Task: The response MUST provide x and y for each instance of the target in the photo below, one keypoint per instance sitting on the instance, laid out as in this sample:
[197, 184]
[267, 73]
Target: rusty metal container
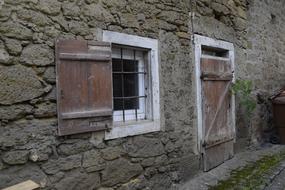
[278, 102]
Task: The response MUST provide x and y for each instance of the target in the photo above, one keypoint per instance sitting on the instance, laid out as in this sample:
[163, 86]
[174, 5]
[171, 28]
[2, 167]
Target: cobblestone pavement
[274, 178]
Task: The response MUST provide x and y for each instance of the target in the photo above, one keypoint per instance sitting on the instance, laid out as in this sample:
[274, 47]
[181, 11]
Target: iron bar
[123, 88]
[129, 97]
[116, 72]
[146, 84]
[136, 100]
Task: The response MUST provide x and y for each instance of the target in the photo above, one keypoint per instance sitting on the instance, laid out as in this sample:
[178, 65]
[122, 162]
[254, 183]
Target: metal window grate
[126, 76]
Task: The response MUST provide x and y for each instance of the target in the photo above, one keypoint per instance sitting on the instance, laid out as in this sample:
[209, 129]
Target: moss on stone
[252, 175]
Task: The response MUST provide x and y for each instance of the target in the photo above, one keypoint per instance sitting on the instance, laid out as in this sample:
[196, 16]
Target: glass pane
[118, 104]
[116, 65]
[117, 85]
[130, 65]
[131, 85]
[131, 104]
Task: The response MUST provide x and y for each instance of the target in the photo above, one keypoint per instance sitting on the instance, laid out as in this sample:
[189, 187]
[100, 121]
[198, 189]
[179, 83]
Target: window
[129, 79]
[110, 86]
[136, 106]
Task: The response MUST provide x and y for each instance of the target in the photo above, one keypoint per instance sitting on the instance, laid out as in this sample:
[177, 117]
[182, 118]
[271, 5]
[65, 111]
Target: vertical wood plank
[216, 113]
[84, 86]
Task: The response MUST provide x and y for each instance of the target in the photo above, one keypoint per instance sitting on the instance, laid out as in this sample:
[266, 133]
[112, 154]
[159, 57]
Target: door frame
[200, 41]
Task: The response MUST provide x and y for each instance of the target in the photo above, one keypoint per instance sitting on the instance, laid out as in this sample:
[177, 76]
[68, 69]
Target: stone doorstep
[204, 179]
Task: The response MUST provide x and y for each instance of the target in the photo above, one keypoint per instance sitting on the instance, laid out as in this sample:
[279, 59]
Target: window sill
[120, 129]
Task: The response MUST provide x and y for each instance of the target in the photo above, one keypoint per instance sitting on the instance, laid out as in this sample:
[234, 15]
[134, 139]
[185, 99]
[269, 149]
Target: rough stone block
[74, 148]
[15, 111]
[77, 180]
[49, 75]
[241, 13]
[1, 165]
[170, 147]
[205, 11]
[18, 2]
[17, 174]
[37, 54]
[148, 162]
[62, 164]
[105, 188]
[78, 28]
[4, 56]
[61, 21]
[51, 96]
[70, 9]
[34, 17]
[144, 147]
[56, 177]
[19, 84]
[120, 171]
[28, 134]
[111, 153]
[15, 30]
[16, 157]
[51, 7]
[166, 26]
[5, 12]
[97, 12]
[160, 182]
[220, 8]
[37, 155]
[45, 109]
[14, 47]
[130, 20]
[161, 160]
[92, 161]
[171, 17]
[149, 172]
[240, 24]
[138, 183]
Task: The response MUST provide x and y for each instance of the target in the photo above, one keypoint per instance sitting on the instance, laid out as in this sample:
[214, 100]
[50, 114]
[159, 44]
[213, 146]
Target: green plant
[243, 89]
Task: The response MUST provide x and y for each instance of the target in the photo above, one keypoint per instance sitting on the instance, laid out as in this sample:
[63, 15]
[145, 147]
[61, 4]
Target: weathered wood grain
[84, 83]
[216, 109]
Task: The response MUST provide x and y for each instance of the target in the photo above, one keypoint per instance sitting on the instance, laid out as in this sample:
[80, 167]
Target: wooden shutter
[216, 109]
[84, 86]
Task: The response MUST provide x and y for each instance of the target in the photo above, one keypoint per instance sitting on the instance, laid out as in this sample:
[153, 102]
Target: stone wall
[29, 146]
[265, 63]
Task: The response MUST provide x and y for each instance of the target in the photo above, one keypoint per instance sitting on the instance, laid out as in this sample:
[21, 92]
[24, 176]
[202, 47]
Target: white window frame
[200, 41]
[131, 114]
[152, 124]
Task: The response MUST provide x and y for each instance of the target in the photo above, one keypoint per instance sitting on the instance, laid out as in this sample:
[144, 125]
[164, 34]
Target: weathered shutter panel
[84, 86]
[216, 109]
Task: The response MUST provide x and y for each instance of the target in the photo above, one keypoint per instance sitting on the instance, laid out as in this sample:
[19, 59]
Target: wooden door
[216, 77]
